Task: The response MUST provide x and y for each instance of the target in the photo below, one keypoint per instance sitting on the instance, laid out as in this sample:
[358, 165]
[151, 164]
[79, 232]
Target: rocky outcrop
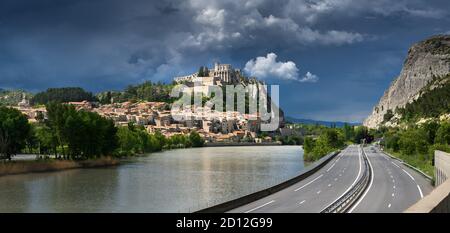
[425, 60]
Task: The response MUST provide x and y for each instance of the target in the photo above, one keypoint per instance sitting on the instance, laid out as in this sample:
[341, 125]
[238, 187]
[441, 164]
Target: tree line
[62, 95]
[147, 91]
[78, 135]
[332, 139]
[416, 143]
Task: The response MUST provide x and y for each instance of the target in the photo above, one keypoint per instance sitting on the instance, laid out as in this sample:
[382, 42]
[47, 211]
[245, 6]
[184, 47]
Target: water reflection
[171, 181]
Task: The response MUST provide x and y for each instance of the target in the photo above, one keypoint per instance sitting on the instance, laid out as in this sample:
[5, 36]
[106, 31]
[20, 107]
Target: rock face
[425, 60]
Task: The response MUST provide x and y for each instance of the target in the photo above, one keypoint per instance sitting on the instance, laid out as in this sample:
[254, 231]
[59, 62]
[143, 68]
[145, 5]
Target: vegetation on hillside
[421, 131]
[430, 104]
[437, 45]
[147, 91]
[62, 95]
[417, 143]
[12, 97]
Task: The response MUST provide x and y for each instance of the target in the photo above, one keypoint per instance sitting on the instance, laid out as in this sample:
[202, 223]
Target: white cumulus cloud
[269, 67]
[309, 78]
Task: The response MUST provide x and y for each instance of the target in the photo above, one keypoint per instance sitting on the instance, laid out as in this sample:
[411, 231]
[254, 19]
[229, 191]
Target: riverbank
[21, 167]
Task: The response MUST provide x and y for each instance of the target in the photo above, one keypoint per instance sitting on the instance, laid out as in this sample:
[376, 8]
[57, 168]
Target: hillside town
[213, 126]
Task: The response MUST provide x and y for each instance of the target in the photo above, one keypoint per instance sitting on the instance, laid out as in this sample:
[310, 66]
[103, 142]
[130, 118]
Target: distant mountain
[313, 122]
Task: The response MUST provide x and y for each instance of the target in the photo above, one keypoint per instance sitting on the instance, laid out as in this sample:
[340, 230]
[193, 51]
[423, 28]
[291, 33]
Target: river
[182, 180]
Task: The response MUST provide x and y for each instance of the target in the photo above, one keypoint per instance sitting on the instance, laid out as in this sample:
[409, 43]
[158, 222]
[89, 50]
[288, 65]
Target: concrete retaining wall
[442, 166]
[438, 201]
[229, 205]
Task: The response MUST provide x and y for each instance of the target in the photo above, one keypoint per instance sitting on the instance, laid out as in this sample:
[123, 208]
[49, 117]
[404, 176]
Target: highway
[394, 188]
[391, 188]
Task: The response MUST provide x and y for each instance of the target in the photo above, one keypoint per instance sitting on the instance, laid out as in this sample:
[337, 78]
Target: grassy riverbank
[20, 167]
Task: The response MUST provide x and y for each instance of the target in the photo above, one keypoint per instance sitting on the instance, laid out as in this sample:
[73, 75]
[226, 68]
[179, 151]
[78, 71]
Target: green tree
[14, 130]
[443, 133]
[200, 72]
[128, 141]
[430, 129]
[361, 132]
[348, 132]
[308, 145]
[196, 140]
[388, 115]
[413, 141]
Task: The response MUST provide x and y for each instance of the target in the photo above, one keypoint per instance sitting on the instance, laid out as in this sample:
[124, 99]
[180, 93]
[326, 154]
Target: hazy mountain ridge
[426, 60]
[313, 122]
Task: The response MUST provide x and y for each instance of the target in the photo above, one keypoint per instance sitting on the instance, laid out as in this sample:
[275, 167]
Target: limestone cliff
[425, 60]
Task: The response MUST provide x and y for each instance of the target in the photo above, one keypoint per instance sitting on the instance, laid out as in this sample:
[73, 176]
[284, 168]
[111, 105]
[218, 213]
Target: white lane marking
[393, 181]
[356, 179]
[368, 188]
[393, 194]
[420, 191]
[331, 167]
[335, 179]
[259, 206]
[302, 202]
[318, 192]
[393, 187]
[409, 174]
[309, 183]
[389, 206]
[329, 185]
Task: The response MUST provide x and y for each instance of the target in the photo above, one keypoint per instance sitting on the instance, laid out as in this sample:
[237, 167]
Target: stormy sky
[332, 58]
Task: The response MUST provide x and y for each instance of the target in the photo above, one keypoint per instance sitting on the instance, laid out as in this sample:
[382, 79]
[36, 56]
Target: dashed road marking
[260, 206]
[308, 183]
[302, 202]
[331, 167]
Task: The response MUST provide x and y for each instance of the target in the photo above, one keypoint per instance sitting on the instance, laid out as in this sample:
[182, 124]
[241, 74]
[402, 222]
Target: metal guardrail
[346, 201]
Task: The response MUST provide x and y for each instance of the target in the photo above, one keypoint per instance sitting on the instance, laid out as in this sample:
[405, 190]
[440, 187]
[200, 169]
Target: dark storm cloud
[108, 44]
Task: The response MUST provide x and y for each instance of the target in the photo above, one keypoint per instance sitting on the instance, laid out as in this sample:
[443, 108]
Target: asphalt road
[394, 187]
[316, 192]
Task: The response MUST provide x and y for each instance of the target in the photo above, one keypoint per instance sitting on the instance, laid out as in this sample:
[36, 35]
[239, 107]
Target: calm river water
[181, 180]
